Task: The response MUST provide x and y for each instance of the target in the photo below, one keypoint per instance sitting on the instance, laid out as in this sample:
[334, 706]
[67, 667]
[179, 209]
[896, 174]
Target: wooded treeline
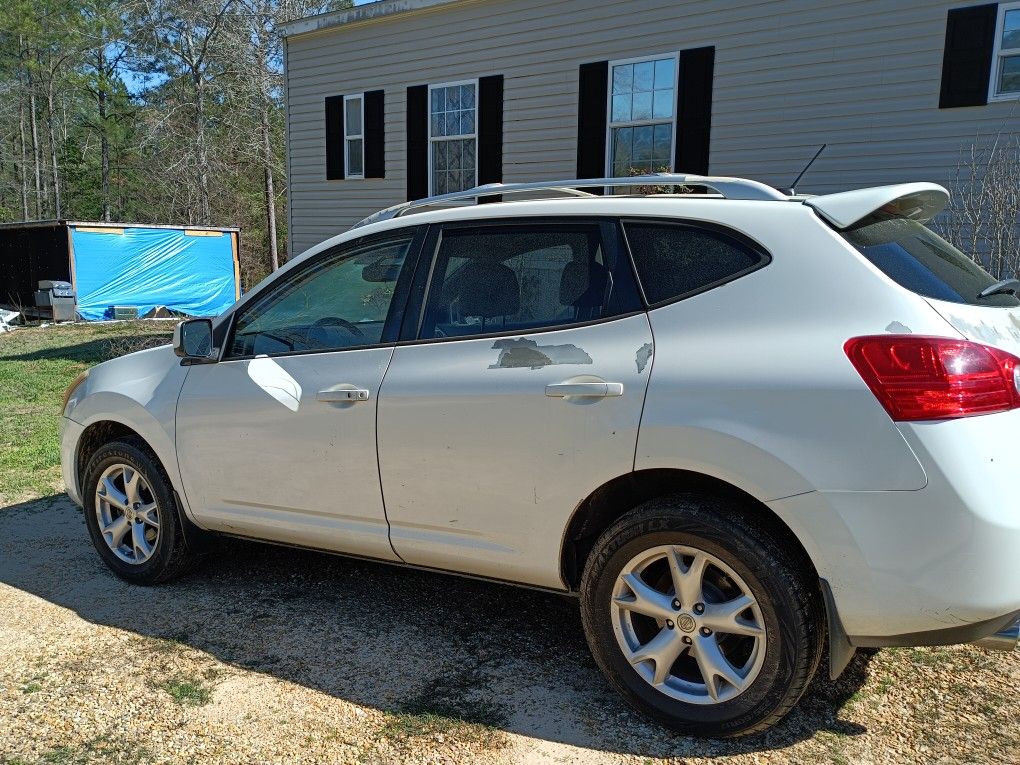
[148, 111]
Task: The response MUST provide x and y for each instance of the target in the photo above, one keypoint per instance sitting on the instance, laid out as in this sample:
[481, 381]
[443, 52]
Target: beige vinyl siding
[860, 75]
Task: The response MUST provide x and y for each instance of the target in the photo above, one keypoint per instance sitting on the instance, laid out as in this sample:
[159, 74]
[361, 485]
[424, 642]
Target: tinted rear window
[517, 278]
[917, 258]
[675, 260]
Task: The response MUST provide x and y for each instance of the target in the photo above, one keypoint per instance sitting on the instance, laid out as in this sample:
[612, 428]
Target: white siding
[860, 75]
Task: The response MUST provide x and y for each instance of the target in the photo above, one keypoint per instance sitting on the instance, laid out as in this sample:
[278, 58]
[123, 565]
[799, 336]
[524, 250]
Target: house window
[1006, 61]
[354, 137]
[642, 115]
[453, 137]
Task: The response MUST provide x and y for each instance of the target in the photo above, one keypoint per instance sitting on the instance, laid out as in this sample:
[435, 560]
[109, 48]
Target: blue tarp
[149, 267]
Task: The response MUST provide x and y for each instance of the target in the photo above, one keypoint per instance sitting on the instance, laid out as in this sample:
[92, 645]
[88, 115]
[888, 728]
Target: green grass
[929, 656]
[884, 685]
[61, 755]
[408, 725]
[447, 706]
[35, 683]
[188, 692]
[36, 366]
[103, 749]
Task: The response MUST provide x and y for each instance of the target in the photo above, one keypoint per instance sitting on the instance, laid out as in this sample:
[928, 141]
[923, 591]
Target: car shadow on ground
[399, 640]
[99, 349]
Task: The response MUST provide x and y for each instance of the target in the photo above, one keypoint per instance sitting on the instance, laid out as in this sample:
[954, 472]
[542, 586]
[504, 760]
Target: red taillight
[936, 378]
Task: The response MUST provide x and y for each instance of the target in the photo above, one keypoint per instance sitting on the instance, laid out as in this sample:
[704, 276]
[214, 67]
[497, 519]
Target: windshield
[917, 258]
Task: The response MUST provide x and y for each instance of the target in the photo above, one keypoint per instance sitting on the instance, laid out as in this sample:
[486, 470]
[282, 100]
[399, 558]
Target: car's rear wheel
[701, 619]
[131, 514]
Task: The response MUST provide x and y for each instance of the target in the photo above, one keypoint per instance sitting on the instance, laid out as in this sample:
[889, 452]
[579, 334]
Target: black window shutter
[967, 59]
[490, 131]
[417, 142]
[694, 110]
[375, 134]
[334, 138]
[593, 82]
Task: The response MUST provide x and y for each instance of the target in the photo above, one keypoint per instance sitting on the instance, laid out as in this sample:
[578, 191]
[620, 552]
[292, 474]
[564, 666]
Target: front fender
[140, 392]
[118, 408]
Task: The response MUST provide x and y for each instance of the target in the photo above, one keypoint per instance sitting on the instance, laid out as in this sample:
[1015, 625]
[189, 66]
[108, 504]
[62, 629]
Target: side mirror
[193, 341]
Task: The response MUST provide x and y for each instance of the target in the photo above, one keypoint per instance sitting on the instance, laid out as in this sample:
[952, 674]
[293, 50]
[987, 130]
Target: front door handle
[342, 395]
[590, 389]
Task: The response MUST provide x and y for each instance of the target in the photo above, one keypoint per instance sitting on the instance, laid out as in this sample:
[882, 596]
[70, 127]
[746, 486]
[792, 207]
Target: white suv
[736, 423]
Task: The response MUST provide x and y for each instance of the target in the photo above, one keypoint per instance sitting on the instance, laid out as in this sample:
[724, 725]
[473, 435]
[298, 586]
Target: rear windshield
[920, 260]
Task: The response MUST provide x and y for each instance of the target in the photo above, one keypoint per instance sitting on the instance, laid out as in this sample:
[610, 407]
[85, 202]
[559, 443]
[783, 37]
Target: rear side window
[676, 260]
[523, 278]
[917, 258]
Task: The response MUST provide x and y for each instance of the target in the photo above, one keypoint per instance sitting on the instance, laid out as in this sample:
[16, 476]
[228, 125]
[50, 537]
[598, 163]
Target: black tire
[171, 556]
[788, 598]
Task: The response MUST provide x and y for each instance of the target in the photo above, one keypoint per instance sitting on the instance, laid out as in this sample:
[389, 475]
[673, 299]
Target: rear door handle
[592, 389]
[342, 395]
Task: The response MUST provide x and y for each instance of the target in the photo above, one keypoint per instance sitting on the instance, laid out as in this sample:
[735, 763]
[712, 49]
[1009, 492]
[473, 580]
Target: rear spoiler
[916, 201]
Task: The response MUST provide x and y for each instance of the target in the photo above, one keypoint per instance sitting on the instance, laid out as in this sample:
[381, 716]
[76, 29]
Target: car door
[277, 439]
[519, 395]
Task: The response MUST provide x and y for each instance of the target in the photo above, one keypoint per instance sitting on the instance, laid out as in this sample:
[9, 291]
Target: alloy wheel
[128, 513]
[688, 624]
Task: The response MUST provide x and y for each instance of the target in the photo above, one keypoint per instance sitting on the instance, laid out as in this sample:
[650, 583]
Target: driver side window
[341, 301]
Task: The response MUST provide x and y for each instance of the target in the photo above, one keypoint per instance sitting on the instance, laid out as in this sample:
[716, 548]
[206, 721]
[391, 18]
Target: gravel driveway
[269, 655]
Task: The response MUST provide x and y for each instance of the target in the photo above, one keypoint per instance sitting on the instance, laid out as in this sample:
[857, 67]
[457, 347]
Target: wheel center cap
[686, 622]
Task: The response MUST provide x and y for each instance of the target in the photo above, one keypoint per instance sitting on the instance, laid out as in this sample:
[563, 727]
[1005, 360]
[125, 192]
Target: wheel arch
[105, 416]
[102, 431]
[616, 497]
[94, 436]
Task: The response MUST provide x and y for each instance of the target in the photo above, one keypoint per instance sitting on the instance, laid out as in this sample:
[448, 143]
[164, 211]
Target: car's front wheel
[699, 618]
[131, 514]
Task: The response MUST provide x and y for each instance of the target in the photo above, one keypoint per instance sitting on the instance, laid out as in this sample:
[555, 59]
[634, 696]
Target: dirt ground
[269, 655]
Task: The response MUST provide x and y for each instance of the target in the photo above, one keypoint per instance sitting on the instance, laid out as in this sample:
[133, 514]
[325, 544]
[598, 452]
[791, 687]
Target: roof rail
[729, 188]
